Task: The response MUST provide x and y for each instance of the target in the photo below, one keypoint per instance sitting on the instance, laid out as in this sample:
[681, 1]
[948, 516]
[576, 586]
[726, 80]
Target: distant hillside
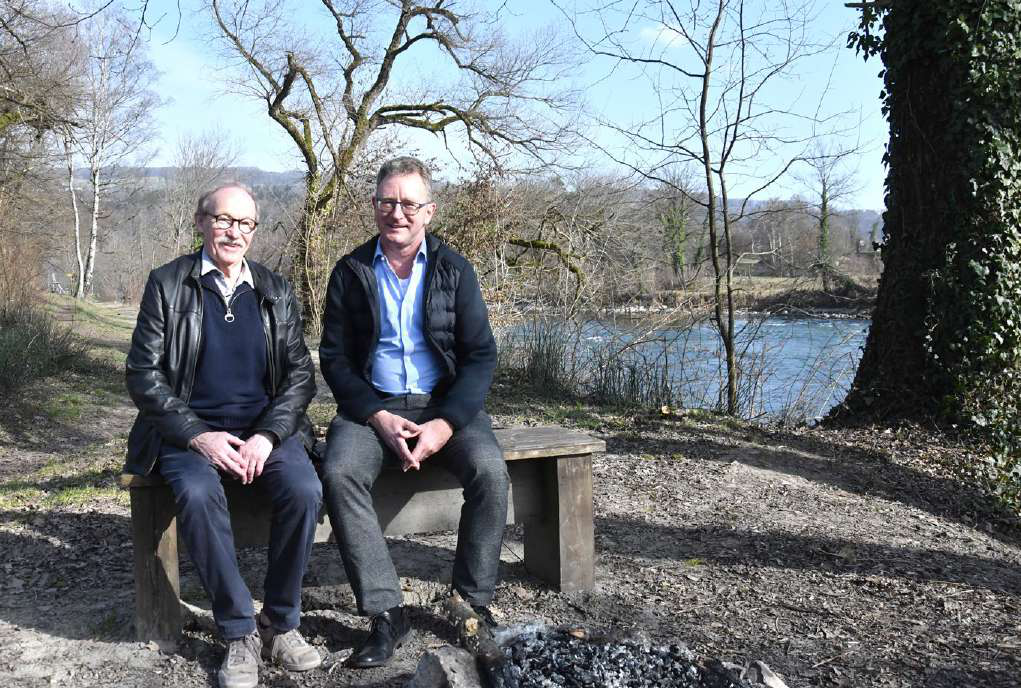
[249, 175]
[257, 177]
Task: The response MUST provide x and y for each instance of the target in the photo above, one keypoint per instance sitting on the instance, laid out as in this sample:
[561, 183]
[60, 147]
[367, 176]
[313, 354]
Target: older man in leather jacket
[221, 376]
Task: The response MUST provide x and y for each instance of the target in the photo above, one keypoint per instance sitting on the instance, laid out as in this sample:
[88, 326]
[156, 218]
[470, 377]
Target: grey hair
[203, 204]
[406, 165]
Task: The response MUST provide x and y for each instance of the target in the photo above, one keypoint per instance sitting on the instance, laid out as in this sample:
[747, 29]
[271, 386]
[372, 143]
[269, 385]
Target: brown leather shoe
[390, 630]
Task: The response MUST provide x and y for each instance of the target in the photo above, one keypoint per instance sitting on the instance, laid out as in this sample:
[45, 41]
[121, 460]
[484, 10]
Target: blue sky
[199, 97]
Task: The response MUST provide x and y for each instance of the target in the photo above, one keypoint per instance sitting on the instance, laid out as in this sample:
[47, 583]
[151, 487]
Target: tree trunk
[724, 321]
[824, 237]
[728, 284]
[79, 288]
[90, 258]
[943, 225]
[313, 253]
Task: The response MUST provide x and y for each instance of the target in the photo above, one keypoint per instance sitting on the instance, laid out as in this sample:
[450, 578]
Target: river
[793, 368]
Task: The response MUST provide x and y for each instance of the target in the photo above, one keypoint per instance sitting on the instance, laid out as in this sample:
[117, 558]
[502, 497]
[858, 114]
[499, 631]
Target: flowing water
[796, 368]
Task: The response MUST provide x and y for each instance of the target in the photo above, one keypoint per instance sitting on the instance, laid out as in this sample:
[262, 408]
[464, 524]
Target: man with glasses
[409, 355]
[221, 376]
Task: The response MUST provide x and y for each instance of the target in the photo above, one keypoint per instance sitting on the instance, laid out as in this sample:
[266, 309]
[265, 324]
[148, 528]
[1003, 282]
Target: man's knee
[353, 457]
[342, 472]
[199, 493]
[487, 469]
[494, 476]
[302, 488]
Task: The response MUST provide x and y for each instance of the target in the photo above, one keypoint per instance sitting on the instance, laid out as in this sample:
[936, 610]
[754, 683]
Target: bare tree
[334, 92]
[113, 119]
[198, 163]
[712, 67]
[831, 181]
[37, 67]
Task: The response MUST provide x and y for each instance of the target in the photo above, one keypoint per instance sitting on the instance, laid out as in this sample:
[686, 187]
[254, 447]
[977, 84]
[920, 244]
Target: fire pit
[571, 658]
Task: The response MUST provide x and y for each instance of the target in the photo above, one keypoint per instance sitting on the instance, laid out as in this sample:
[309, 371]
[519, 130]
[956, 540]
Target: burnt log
[476, 636]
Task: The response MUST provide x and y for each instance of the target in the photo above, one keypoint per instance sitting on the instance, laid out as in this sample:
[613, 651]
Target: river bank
[850, 557]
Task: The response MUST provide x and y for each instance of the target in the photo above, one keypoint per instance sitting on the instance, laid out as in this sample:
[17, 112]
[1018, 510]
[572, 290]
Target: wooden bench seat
[551, 495]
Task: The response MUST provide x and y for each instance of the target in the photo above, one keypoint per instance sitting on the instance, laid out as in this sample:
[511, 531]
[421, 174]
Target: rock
[520, 593]
[198, 618]
[759, 673]
[446, 667]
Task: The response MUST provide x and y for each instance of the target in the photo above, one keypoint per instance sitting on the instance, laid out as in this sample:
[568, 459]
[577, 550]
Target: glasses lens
[409, 208]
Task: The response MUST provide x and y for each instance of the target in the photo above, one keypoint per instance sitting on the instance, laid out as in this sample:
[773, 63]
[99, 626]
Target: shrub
[33, 346]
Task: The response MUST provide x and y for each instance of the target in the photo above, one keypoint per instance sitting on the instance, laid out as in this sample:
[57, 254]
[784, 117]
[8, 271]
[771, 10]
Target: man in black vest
[409, 355]
[221, 376]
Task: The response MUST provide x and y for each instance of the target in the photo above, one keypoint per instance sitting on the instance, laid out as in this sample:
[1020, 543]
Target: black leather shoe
[390, 630]
[484, 614]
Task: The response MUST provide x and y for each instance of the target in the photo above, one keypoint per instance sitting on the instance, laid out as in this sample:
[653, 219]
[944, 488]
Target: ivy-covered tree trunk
[945, 341]
[674, 220]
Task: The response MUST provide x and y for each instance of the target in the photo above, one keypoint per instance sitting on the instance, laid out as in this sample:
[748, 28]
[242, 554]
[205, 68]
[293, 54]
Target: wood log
[475, 636]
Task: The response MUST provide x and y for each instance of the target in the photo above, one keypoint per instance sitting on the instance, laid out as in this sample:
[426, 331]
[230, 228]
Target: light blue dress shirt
[403, 363]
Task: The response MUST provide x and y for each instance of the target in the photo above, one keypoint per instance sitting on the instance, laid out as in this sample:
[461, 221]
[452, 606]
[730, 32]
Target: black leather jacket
[456, 328]
[164, 353]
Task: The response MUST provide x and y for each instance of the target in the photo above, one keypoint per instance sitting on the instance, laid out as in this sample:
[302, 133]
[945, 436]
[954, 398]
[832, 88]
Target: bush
[570, 358]
[33, 346]
[545, 351]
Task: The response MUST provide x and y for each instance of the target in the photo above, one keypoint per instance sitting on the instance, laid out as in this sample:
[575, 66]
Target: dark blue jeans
[293, 491]
[355, 456]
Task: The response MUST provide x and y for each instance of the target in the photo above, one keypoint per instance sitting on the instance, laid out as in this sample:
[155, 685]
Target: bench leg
[561, 548]
[157, 581]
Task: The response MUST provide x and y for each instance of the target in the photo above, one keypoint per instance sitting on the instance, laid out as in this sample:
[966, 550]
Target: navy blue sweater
[230, 378]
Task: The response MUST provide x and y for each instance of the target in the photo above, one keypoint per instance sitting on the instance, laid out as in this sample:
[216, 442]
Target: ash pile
[570, 658]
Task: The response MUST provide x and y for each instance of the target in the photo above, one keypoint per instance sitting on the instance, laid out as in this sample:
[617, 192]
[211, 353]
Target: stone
[760, 672]
[757, 673]
[446, 667]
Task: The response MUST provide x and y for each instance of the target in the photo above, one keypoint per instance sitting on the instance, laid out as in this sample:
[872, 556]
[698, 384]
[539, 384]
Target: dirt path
[838, 558]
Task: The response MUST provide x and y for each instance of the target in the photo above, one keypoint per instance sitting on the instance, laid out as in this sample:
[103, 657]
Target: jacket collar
[262, 278]
[366, 253]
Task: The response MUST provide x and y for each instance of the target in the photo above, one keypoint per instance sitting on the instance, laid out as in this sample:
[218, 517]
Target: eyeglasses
[225, 222]
[388, 205]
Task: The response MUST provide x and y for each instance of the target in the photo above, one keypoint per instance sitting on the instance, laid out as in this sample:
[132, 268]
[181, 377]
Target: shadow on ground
[857, 471]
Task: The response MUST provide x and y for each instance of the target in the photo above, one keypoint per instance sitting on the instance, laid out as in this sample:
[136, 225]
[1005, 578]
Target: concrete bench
[551, 495]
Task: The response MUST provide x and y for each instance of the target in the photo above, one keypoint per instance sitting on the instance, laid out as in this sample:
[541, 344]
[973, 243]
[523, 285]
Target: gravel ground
[839, 558]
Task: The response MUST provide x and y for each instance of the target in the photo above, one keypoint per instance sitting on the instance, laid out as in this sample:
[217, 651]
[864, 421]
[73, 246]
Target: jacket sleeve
[475, 352]
[355, 397]
[146, 380]
[297, 385]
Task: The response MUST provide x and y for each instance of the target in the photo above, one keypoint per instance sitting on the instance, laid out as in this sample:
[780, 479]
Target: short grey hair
[406, 165]
[203, 205]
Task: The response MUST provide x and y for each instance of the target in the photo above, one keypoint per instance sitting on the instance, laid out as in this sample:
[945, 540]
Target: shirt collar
[209, 266]
[421, 256]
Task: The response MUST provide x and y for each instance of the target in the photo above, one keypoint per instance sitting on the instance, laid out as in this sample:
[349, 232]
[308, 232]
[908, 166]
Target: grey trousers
[355, 456]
